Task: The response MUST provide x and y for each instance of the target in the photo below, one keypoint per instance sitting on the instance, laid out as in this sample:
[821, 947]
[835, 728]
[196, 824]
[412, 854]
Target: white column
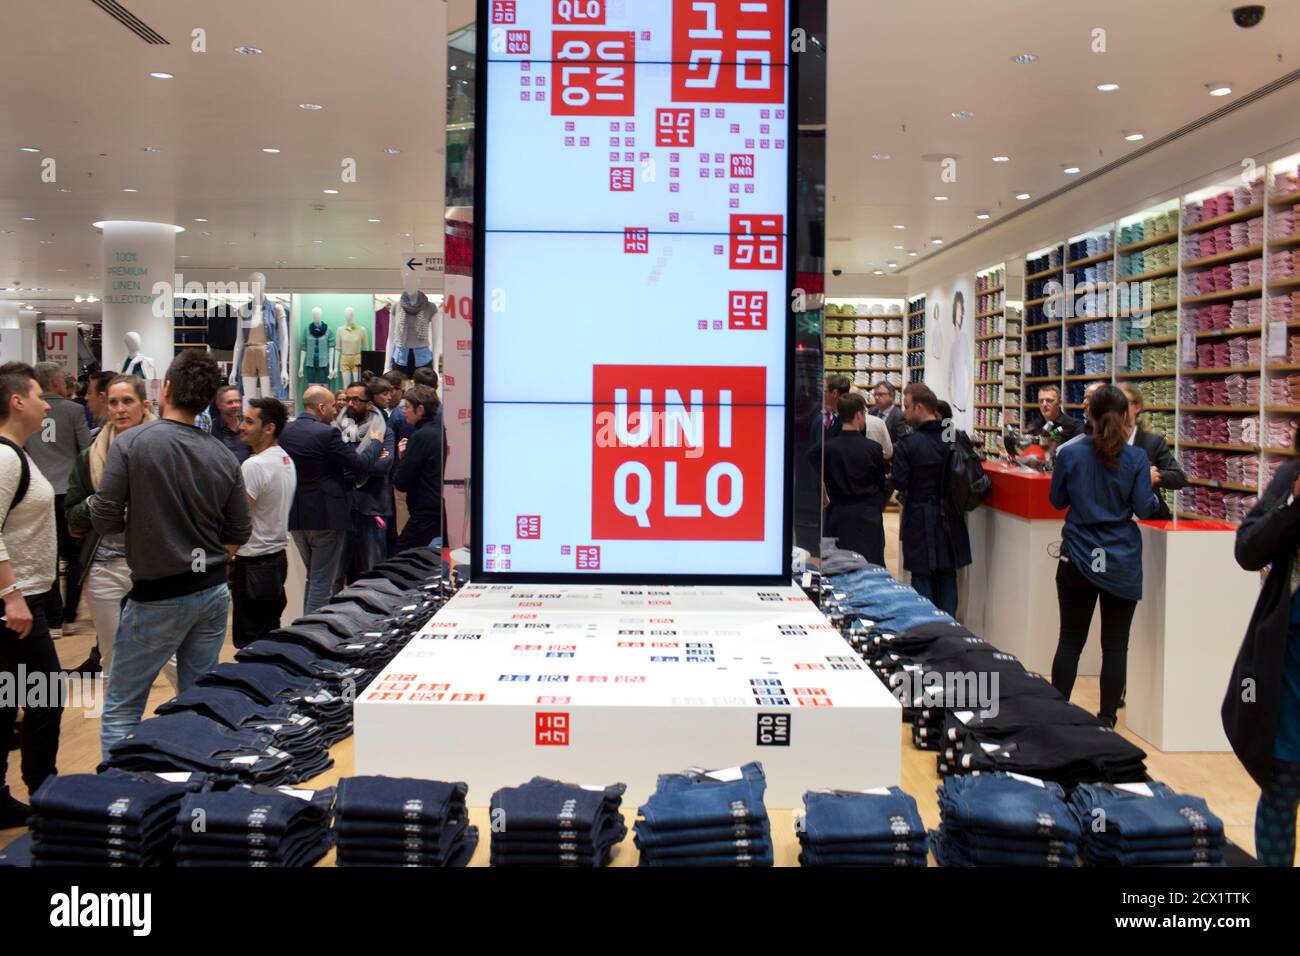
[17, 333]
[138, 256]
[8, 315]
[27, 319]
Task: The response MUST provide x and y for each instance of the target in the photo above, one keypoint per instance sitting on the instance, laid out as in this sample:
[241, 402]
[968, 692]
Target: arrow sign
[410, 264]
[422, 262]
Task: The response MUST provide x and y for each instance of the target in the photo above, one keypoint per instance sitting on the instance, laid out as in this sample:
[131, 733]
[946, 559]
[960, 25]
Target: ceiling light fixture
[913, 254]
[1001, 159]
[981, 215]
[877, 272]
[891, 264]
[936, 240]
[1022, 196]
[1107, 87]
[392, 150]
[317, 242]
[248, 51]
[77, 298]
[160, 75]
[200, 220]
[29, 218]
[29, 149]
[940, 198]
[1025, 58]
[374, 220]
[963, 114]
[310, 106]
[898, 248]
[1070, 170]
[330, 192]
[129, 189]
[1133, 135]
[1218, 89]
[881, 156]
[64, 189]
[899, 226]
[271, 150]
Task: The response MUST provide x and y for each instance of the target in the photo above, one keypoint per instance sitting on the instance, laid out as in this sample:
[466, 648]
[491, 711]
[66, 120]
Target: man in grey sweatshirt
[179, 496]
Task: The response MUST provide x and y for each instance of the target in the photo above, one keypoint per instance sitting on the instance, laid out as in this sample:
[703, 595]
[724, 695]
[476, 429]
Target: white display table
[604, 684]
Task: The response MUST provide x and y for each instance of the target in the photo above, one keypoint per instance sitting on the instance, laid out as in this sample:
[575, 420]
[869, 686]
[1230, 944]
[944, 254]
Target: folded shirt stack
[705, 818]
[547, 822]
[1281, 308]
[1244, 431]
[292, 731]
[1243, 350]
[1285, 181]
[1003, 820]
[254, 826]
[1281, 433]
[1284, 224]
[1243, 390]
[1067, 754]
[115, 818]
[1146, 824]
[879, 827]
[1242, 470]
[1281, 265]
[190, 741]
[401, 821]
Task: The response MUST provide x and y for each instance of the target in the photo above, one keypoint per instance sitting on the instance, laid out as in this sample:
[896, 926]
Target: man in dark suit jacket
[1166, 473]
[826, 423]
[321, 517]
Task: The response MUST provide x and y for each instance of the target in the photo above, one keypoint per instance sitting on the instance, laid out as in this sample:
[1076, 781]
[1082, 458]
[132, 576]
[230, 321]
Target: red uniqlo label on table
[675, 128]
[519, 41]
[503, 11]
[593, 74]
[678, 452]
[636, 239]
[814, 701]
[809, 691]
[622, 179]
[528, 526]
[748, 310]
[587, 557]
[553, 701]
[757, 242]
[728, 51]
[578, 12]
[742, 165]
[551, 729]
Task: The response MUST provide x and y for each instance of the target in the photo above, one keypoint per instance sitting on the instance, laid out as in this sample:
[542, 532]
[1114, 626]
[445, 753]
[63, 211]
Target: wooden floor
[1219, 778]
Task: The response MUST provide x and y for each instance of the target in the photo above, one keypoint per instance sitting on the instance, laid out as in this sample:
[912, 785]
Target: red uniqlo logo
[551, 729]
[679, 452]
[592, 73]
[675, 128]
[636, 239]
[621, 179]
[519, 41]
[588, 557]
[528, 526]
[809, 691]
[748, 310]
[503, 11]
[814, 701]
[742, 165]
[757, 242]
[728, 51]
[552, 701]
[578, 12]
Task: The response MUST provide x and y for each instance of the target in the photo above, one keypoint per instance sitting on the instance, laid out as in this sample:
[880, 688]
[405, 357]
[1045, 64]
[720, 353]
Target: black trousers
[257, 596]
[35, 654]
[859, 526]
[1077, 597]
[59, 611]
[419, 531]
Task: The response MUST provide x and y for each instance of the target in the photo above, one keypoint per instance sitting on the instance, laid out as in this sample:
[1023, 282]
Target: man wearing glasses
[372, 500]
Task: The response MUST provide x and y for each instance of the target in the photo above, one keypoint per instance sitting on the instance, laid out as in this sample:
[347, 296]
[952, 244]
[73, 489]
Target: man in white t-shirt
[260, 566]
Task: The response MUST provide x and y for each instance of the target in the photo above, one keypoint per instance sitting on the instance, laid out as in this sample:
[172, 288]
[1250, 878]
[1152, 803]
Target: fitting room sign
[633, 318]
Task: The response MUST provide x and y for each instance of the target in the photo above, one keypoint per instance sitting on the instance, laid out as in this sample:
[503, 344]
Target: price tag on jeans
[876, 792]
[726, 776]
[965, 716]
[1121, 356]
[1277, 340]
[1141, 789]
[1023, 779]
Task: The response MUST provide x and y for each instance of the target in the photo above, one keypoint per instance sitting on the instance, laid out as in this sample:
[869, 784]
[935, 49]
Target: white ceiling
[899, 70]
[76, 86]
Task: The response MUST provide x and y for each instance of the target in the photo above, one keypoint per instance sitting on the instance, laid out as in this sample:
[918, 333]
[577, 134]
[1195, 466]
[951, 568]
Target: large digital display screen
[632, 302]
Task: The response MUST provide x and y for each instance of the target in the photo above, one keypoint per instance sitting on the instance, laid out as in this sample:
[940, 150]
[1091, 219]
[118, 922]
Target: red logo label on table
[551, 729]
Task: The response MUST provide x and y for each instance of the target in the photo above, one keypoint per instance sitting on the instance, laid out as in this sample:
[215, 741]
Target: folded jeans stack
[879, 827]
[116, 818]
[1065, 753]
[1004, 820]
[1146, 824]
[189, 741]
[254, 827]
[547, 822]
[401, 821]
[271, 684]
[706, 818]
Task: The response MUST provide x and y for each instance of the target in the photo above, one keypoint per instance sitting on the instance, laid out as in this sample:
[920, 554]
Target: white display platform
[605, 684]
[1186, 634]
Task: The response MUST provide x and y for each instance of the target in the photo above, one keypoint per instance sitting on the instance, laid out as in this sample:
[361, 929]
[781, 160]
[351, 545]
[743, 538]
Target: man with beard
[372, 499]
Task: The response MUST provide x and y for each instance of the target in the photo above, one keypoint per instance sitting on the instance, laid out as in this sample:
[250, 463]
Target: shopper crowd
[170, 523]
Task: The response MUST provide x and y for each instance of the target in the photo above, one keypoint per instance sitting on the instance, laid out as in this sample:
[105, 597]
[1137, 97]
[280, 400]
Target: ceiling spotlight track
[133, 23]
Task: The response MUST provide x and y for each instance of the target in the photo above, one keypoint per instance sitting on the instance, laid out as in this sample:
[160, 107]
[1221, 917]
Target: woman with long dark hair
[1103, 481]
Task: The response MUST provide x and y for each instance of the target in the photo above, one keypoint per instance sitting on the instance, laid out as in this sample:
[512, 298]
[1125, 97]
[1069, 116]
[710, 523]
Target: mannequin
[411, 337]
[260, 346]
[136, 364]
[353, 340]
[317, 359]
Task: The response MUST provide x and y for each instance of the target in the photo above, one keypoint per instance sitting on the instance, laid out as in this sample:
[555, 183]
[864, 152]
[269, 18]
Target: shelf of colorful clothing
[1285, 242]
[989, 314]
[1148, 243]
[1153, 274]
[1227, 294]
[1283, 367]
[1233, 255]
[1285, 284]
[1290, 452]
[1219, 408]
[1225, 485]
[1228, 333]
[1041, 378]
[1088, 318]
[1225, 370]
[1096, 377]
[1099, 257]
[1046, 298]
[1230, 217]
[1286, 199]
[1157, 340]
[1193, 516]
[1212, 446]
[1044, 274]
[1151, 374]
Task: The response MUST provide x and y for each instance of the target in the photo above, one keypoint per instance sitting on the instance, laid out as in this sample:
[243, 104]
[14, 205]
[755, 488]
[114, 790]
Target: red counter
[1020, 491]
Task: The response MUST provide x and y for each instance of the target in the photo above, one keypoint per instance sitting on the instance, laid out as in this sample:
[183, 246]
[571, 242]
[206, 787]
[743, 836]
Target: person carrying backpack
[933, 536]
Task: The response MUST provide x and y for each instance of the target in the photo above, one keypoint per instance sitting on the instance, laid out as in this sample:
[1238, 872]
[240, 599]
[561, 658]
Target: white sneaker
[56, 632]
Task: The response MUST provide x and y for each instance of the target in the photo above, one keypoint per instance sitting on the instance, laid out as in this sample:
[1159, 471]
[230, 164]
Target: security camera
[837, 272]
[1248, 16]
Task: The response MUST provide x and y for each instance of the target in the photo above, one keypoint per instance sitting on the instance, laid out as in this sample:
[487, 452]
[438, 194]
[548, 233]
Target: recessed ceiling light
[374, 220]
[899, 226]
[881, 156]
[406, 235]
[200, 220]
[1001, 159]
[913, 254]
[160, 75]
[47, 242]
[1218, 89]
[77, 298]
[317, 242]
[129, 189]
[29, 149]
[898, 248]
[270, 149]
[330, 192]
[936, 241]
[64, 189]
[981, 215]
[231, 242]
[1022, 196]
[182, 257]
[963, 114]
[1107, 87]
[152, 149]
[310, 106]
[29, 218]
[891, 264]
[1025, 58]
[392, 150]
[351, 257]
[1070, 170]
[248, 51]
[1133, 135]
[940, 198]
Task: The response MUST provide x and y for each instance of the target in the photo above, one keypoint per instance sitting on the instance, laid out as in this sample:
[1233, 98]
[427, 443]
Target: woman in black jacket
[419, 469]
[1261, 711]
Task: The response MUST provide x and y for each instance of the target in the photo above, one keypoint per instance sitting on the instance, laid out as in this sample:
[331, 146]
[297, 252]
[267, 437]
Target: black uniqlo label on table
[773, 730]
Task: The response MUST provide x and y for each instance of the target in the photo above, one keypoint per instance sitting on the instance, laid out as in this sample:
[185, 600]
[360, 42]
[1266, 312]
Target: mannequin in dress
[136, 364]
[412, 334]
[352, 341]
[261, 356]
[317, 359]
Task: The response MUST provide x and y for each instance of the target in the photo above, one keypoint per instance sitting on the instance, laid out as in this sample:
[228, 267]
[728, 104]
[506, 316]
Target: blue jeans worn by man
[192, 626]
[322, 552]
